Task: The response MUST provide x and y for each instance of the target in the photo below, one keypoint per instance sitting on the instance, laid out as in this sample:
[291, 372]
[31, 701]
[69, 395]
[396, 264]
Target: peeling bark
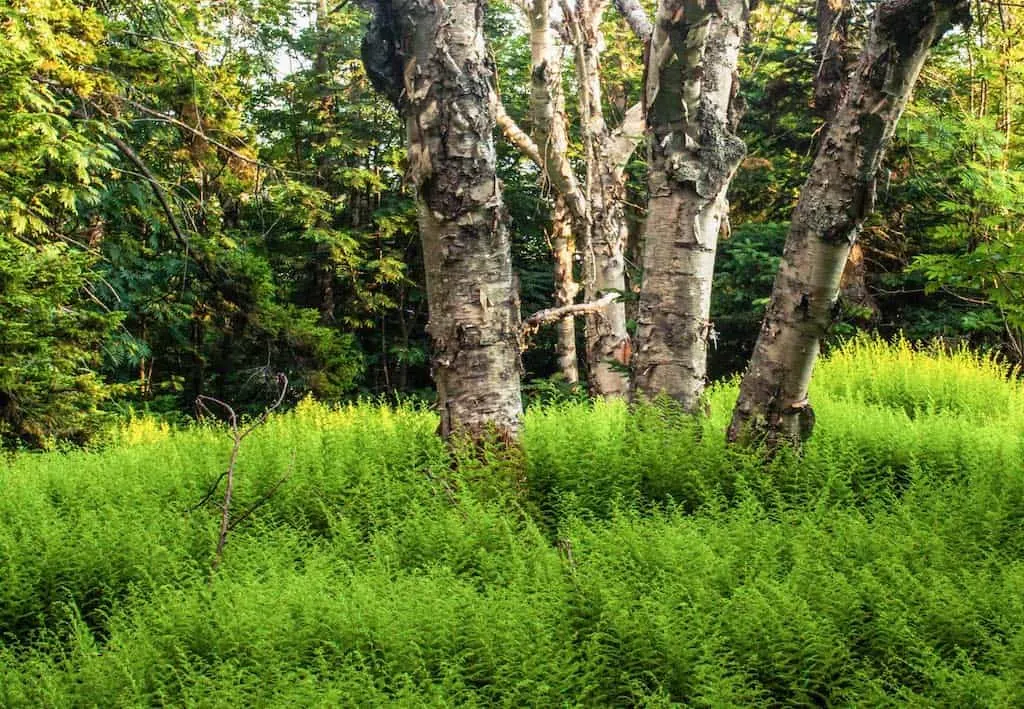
[830, 81]
[547, 103]
[691, 115]
[449, 113]
[557, 314]
[838, 195]
[608, 345]
[853, 287]
[591, 215]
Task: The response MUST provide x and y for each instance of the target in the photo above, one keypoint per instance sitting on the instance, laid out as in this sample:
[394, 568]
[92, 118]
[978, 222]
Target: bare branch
[157, 188]
[516, 135]
[160, 116]
[209, 493]
[264, 499]
[282, 382]
[636, 17]
[550, 315]
[226, 525]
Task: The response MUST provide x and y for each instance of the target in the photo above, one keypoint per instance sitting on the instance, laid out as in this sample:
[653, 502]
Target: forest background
[195, 196]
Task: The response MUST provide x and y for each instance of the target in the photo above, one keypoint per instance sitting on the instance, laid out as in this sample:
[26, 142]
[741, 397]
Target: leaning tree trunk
[691, 88]
[838, 195]
[429, 56]
[831, 80]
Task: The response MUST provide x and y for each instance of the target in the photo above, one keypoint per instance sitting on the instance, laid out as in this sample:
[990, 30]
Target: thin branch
[203, 403]
[209, 493]
[264, 499]
[636, 17]
[158, 191]
[282, 382]
[516, 135]
[159, 116]
[550, 315]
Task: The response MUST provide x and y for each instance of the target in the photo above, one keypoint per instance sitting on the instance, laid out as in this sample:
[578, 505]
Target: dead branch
[264, 499]
[549, 315]
[209, 493]
[203, 404]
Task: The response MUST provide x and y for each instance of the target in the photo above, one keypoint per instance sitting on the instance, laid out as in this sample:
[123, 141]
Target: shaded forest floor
[622, 559]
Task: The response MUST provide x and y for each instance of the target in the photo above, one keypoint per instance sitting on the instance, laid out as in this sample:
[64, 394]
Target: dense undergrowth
[622, 559]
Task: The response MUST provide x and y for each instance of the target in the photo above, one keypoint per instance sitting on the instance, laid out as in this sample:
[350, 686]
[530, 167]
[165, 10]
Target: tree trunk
[609, 346]
[439, 56]
[602, 243]
[838, 195]
[547, 104]
[691, 87]
[563, 246]
[596, 211]
[831, 79]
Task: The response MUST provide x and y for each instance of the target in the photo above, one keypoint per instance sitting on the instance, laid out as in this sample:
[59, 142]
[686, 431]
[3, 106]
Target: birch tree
[607, 153]
[588, 217]
[430, 58]
[836, 199]
[548, 147]
[693, 155]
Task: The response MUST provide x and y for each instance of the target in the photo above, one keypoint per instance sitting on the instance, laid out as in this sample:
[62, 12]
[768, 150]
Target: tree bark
[608, 345]
[835, 200]
[570, 214]
[690, 97]
[831, 79]
[833, 34]
[547, 104]
[595, 211]
[446, 98]
[563, 246]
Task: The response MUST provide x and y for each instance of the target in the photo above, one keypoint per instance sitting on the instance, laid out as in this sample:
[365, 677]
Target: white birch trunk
[838, 195]
[603, 242]
[691, 86]
[474, 309]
